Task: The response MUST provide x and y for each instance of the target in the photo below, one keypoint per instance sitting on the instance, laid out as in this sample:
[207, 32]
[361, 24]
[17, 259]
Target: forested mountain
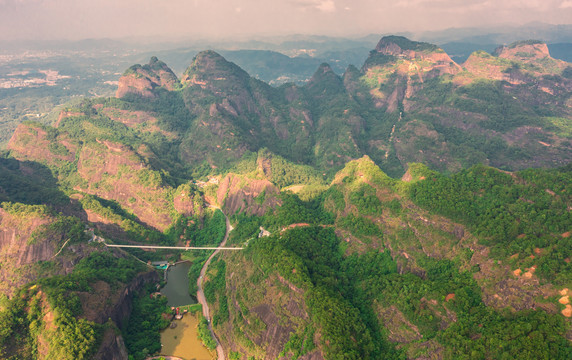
[416, 208]
[409, 102]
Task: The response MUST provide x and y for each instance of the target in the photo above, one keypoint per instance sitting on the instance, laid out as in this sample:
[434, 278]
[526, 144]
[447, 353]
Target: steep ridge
[517, 63]
[31, 235]
[331, 120]
[404, 65]
[392, 236]
[410, 102]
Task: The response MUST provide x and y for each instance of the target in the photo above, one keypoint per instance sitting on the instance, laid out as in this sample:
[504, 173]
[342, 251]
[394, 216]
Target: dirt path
[201, 294]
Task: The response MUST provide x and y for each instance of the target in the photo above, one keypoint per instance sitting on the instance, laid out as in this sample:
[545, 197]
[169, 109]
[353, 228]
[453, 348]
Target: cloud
[489, 5]
[322, 5]
[326, 6]
[56, 19]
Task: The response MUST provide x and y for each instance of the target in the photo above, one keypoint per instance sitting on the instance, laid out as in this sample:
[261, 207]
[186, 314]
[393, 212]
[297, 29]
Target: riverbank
[177, 287]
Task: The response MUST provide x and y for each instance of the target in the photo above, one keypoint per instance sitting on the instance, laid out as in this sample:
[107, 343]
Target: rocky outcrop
[16, 237]
[523, 50]
[403, 66]
[430, 57]
[517, 63]
[64, 114]
[325, 82]
[401, 46]
[142, 80]
[22, 245]
[237, 193]
[104, 304]
[188, 202]
[208, 70]
[37, 143]
[96, 309]
[267, 324]
[112, 347]
[116, 172]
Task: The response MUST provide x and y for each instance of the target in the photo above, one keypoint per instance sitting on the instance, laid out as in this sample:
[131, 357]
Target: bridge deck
[173, 247]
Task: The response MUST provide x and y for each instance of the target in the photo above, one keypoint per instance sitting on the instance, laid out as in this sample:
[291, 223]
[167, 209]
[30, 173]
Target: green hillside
[415, 208]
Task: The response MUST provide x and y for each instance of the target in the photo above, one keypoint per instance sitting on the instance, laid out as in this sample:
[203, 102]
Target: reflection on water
[183, 341]
[177, 288]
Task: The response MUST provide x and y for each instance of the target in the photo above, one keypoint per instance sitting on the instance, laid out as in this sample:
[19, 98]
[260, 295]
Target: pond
[177, 288]
[183, 341]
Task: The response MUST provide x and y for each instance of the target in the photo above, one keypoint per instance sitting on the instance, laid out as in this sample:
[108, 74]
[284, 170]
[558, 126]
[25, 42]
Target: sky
[212, 19]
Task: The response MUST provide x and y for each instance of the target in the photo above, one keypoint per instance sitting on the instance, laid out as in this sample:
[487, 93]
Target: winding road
[201, 294]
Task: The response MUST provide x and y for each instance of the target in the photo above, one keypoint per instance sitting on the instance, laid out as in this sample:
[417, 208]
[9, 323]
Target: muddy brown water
[183, 341]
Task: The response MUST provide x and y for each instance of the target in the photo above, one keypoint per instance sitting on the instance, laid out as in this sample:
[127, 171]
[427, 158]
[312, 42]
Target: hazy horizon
[227, 19]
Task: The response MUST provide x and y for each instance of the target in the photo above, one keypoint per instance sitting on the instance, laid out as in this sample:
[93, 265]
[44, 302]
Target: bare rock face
[24, 243]
[518, 63]
[434, 58]
[211, 74]
[133, 84]
[142, 80]
[280, 307]
[187, 202]
[16, 243]
[34, 142]
[114, 171]
[523, 50]
[407, 64]
[238, 193]
[112, 347]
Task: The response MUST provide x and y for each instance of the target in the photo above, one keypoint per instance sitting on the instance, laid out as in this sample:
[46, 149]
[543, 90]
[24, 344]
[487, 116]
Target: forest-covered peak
[209, 65]
[325, 81]
[397, 45]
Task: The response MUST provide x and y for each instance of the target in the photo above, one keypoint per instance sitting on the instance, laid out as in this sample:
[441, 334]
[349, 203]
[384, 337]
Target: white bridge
[173, 247]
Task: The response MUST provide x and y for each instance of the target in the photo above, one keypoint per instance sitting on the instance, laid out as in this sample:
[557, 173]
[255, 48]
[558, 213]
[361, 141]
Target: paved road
[201, 294]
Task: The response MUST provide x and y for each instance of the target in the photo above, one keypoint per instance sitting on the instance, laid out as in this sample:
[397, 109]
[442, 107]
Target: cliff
[401, 67]
[37, 142]
[114, 171]
[263, 319]
[238, 193]
[112, 346]
[30, 236]
[143, 80]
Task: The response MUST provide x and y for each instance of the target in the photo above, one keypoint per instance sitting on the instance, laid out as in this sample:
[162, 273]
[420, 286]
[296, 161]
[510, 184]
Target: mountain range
[507, 109]
[416, 208]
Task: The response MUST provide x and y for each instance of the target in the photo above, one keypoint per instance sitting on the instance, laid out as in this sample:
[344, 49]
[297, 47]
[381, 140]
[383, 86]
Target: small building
[161, 265]
[263, 232]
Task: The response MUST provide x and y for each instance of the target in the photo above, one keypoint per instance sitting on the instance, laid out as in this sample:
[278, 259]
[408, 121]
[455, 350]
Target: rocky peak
[426, 57]
[402, 47]
[325, 81]
[143, 79]
[324, 71]
[209, 66]
[523, 50]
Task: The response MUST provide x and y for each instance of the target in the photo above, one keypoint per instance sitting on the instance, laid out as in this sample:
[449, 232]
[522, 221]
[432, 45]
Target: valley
[412, 208]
